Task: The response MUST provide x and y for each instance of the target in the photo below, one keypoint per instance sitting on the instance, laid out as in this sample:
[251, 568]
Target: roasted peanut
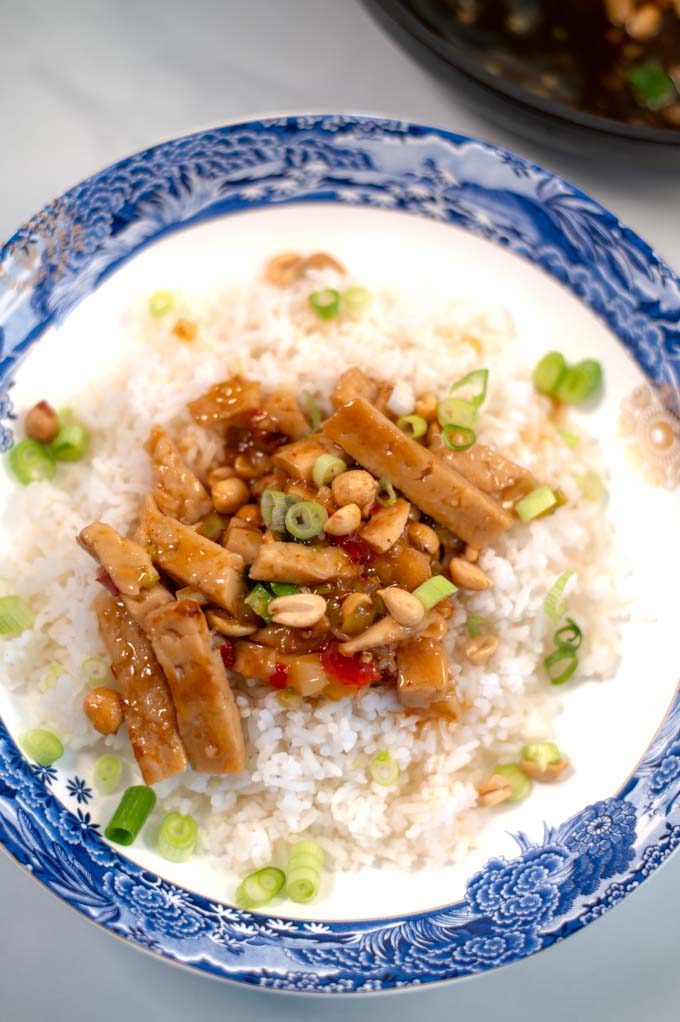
[252, 465]
[493, 791]
[251, 514]
[185, 329]
[403, 606]
[284, 269]
[471, 554]
[355, 487]
[322, 261]
[345, 520]
[644, 23]
[481, 648]
[551, 772]
[426, 406]
[216, 475]
[299, 610]
[423, 538]
[104, 708]
[42, 422]
[467, 575]
[229, 495]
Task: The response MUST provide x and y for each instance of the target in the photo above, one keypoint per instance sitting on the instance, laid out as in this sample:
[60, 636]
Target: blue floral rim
[578, 870]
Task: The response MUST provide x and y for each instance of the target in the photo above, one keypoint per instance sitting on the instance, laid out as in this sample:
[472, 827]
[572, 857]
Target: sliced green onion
[580, 382]
[325, 303]
[284, 589]
[15, 616]
[549, 372]
[259, 888]
[274, 506]
[458, 438]
[542, 753]
[132, 813]
[474, 387]
[475, 625]
[433, 591]
[42, 746]
[148, 579]
[571, 439]
[561, 664]
[302, 884]
[591, 486]
[313, 411]
[383, 769]
[289, 699]
[385, 494]
[177, 837]
[160, 303]
[327, 467]
[458, 412]
[51, 676]
[521, 785]
[569, 635]
[259, 599]
[356, 299]
[213, 526]
[108, 771]
[414, 426]
[535, 503]
[307, 851]
[650, 83]
[306, 519]
[30, 461]
[95, 670]
[70, 443]
[553, 605]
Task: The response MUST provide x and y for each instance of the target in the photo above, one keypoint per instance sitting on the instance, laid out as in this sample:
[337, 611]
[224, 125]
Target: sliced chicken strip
[128, 563]
[147, 705]
[207, 715]
[178, 492]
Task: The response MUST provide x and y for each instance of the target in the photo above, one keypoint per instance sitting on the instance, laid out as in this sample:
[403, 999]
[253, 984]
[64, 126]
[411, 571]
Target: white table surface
[85, 82]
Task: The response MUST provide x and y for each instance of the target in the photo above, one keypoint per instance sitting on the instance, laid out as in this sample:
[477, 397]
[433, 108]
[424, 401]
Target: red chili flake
[354, 547]
[279, 679]
[374, 510]
[228, 654]
[108, 583]
[348, 670]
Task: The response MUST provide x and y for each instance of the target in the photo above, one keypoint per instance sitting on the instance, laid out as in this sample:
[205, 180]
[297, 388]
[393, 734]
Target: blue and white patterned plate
[486, 222]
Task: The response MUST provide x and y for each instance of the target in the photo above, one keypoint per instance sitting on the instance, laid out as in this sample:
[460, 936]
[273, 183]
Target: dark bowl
[502, 98]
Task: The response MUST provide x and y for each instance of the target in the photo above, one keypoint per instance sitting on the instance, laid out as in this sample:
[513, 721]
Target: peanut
[467, 575]
[42, 422]
[423, 538]
[354, 487]
[104, 708]
[481, 648]
[229, 495]
[493, 791]
[300, 610]
[403, 606]
[345, 520]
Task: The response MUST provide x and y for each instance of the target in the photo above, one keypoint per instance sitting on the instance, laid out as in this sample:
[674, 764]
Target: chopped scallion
[51, 676]
[15, 616]
[472, 388]
[569, 635]
[306, 851]
[383, 769]
[31, 462]
[213, 526]
[284, 589]
[327, 467]
[457, 412]
[108, 771]
[434, 590]
[580, 382]
[70, 443]
[325, 303]
[274, 506]
[306, 519]
[591, 486]
[95, 671]
[571, 439]
[305, 862]
[521, 785]
[535, 503]
[259, 888]
[313, 411]
[553, 605]
[259, 599]
[386, 494]
[132, 813]
[561, 664]
[475, 625]
[414, 426]
[543, 754]
[651, 84]
[161, 303]
[458, 438]
[177, 837]
[42, 746]
[549, 372]
[356, 299]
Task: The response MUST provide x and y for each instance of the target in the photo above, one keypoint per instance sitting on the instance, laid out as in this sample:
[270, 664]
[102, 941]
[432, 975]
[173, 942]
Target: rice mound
[307, 768]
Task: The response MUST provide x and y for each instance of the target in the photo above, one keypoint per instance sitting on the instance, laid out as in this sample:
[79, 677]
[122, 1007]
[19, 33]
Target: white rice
[306, 773]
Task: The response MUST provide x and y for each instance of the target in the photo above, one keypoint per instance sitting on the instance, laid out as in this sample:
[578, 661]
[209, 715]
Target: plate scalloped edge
[580, 869]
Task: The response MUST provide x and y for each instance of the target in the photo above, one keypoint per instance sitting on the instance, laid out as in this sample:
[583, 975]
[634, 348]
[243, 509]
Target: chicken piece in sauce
[207, 715]
[128, 563]
[147, 705]
[177, 491]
